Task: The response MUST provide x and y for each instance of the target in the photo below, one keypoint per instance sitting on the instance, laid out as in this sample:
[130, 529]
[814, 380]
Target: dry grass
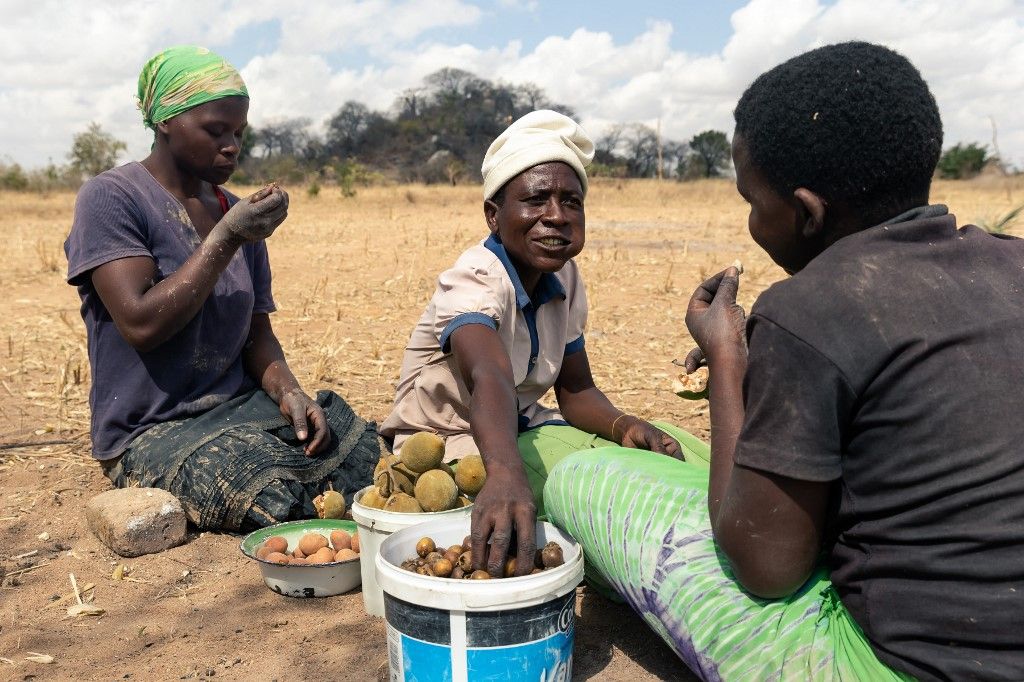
[352, 276]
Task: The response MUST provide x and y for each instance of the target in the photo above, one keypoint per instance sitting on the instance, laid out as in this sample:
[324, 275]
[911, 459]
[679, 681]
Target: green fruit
[400, 502]
[422, 451]
[371, 498]
[330, 505]
[470, 474]
[436, 491]
[399, 480]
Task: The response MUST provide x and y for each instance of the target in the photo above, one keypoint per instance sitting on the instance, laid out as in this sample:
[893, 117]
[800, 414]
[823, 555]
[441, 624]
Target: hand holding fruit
[715, 321]
[257, 216]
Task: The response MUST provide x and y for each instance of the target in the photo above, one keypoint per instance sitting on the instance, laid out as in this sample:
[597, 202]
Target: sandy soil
[351, 277]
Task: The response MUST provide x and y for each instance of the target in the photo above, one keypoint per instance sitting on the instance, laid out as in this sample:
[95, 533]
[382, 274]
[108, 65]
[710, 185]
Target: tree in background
[94, 151]
[709, 155]
[962, 161]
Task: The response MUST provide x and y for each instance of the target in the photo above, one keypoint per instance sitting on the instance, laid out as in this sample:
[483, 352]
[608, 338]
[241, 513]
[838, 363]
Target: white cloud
[70, 63]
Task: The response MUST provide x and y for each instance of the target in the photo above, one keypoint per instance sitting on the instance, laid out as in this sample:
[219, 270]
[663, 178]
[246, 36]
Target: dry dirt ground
[351, 278]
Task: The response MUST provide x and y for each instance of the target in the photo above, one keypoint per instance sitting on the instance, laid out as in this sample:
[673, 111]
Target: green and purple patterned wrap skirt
[643, 522]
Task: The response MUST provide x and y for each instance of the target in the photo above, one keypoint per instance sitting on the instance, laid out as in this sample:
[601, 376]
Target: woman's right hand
[257, 216]
[502, 509]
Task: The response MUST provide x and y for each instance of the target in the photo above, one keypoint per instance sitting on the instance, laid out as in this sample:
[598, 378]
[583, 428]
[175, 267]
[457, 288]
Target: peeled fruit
[277, 558]
[330, 505]
[355, 543]
[340, 539]
[263, 551]
[436, 491]
[422, 451]
[692, 386]
[372, 498]
[298, 561]
[401, 502]
[470, 474]
[311, 543]
[345, 555]
[324, 555]
[276, 543]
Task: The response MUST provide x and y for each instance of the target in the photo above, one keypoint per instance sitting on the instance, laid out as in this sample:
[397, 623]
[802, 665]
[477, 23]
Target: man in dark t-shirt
[869, 411]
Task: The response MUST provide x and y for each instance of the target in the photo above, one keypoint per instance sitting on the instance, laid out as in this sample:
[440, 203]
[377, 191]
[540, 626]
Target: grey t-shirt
[894, 364]
[125, 212]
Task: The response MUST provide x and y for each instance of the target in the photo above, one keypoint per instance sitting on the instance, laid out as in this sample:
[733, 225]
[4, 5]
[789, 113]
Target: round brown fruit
[442, 568]
[480, 575]
[345, 555]
[278, 558]
[355, 542]
[466, 561]
[467, 543]
[276, 543]
[510, 567]
[457, 573]
[453, 556]
[425, 546]
[311, 542]
[324, 555]
[298, 561]
[552, 555]
[263, 551]
[340, 539]
[299, 554]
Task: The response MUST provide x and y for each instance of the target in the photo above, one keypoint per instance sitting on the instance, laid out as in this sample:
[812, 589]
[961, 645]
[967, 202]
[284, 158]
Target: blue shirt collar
[547, 288]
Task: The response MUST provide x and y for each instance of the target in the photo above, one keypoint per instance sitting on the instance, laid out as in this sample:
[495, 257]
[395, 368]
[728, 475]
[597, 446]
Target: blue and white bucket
[475, 630]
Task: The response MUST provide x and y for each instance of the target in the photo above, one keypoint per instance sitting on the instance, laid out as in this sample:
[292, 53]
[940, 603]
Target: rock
[137, 521]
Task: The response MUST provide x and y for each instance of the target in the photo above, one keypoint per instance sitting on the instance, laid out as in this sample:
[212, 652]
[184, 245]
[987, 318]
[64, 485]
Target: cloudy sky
[69, 62]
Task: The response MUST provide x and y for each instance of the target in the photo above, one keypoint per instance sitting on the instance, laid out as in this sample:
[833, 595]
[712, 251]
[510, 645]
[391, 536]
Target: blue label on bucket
[532, 644]
[545, 660]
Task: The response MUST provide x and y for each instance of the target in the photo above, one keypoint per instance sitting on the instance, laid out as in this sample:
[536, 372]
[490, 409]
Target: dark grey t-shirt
[894, 364]
[125, 212]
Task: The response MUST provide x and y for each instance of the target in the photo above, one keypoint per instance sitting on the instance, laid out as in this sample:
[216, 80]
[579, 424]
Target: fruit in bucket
[431, 562]
[423, 451]
[470, 474]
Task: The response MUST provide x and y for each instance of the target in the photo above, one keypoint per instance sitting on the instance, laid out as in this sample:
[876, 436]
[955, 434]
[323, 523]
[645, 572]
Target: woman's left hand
[637, 433]
[303, 412]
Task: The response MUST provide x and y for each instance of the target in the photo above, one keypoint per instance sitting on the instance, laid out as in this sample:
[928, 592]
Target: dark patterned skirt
[239, 466]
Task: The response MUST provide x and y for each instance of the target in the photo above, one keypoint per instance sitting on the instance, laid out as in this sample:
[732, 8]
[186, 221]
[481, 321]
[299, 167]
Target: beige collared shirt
[484, 288]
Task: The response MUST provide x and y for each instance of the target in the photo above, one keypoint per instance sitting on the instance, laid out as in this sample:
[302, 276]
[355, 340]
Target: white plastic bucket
[476, 630]
[374, 526]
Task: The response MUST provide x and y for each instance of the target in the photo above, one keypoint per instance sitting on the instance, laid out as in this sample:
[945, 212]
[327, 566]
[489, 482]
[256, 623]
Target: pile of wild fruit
[418, 480]
[312, 548]
[457, 561]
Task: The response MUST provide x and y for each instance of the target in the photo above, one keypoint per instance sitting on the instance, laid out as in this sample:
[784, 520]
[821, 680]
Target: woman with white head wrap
[505, 325]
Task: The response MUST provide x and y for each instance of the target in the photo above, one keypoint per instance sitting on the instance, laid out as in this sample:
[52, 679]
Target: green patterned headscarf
[183, 77]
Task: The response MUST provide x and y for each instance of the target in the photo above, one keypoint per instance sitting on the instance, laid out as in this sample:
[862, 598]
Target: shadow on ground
[606, 630]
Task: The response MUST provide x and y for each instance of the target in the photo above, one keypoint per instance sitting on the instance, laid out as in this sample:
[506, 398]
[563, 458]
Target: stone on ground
[137, 521]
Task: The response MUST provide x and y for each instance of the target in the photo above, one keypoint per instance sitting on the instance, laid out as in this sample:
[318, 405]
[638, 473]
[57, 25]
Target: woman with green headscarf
[190, 388]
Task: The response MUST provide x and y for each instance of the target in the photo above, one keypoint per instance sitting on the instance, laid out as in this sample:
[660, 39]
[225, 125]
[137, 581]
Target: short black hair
[853, 122]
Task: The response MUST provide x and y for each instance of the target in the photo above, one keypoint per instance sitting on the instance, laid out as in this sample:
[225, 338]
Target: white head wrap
[538, 137]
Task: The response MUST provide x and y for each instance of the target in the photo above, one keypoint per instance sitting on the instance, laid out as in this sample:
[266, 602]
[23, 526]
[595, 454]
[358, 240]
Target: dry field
[351, 278]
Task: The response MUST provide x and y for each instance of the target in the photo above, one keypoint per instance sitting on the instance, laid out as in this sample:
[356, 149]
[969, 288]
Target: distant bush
[52, 177]
[962, 161]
